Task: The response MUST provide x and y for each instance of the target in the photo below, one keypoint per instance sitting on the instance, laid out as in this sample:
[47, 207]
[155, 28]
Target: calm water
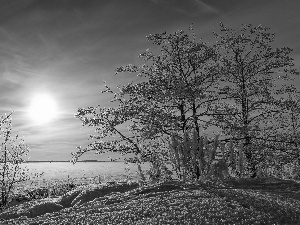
[65, 170]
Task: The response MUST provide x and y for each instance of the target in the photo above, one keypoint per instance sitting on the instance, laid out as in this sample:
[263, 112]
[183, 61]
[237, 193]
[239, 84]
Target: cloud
[68, 47]
[191, 8]
[204, 7]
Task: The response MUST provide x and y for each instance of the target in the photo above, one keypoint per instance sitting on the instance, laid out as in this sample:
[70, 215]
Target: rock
[18, 200]
[7, 215]
[31, 209]
[43, 208]
[97, 192]
[67, 198]
[164, 187]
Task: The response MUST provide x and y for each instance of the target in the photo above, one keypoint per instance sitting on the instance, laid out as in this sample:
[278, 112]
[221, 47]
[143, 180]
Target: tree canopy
[190, 86]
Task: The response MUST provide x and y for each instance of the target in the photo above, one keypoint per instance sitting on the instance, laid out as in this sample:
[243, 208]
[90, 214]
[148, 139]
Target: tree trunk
[197, 169]
[247, 143]
[252, 165]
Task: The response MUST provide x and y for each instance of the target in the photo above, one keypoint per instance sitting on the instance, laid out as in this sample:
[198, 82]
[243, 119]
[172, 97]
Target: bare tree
[251, 69]
[189, 85]
[176, 87]
[13, 150]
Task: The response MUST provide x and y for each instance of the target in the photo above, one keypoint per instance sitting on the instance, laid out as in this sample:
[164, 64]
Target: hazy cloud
[191, 8]
[67, 48]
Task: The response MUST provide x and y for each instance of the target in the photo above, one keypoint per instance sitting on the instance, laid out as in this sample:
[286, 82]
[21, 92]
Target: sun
[42, 109]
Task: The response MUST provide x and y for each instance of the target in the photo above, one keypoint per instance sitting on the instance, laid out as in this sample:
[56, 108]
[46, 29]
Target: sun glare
[42, 109]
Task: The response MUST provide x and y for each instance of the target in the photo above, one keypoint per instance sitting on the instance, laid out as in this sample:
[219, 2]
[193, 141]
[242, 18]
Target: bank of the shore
[172, 203]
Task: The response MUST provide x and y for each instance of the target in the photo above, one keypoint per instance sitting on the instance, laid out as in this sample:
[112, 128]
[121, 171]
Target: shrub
[12, 152]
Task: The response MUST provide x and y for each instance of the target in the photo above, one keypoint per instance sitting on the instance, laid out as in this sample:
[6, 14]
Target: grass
[263, 201]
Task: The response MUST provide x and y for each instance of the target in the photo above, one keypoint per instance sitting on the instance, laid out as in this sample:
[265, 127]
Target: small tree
[251, 68]
[288, 120]
[12, 150]
[181, 86]
[181, 82]
[286, 125]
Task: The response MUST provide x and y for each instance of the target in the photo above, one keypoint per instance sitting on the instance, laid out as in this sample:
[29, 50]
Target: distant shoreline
[67, 161]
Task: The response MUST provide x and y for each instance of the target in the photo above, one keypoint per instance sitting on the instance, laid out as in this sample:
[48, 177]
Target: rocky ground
[243, 201]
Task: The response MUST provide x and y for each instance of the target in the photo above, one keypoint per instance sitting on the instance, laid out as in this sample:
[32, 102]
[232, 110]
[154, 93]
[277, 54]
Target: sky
[66, 48]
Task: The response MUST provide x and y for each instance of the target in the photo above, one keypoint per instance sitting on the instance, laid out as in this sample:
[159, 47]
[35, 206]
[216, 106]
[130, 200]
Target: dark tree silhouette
[251, 69]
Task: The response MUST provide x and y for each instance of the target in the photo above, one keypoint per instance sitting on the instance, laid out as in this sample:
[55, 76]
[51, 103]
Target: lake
[66, 170]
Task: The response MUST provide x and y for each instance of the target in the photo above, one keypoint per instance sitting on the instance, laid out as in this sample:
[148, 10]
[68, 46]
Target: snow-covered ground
[172, 203]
